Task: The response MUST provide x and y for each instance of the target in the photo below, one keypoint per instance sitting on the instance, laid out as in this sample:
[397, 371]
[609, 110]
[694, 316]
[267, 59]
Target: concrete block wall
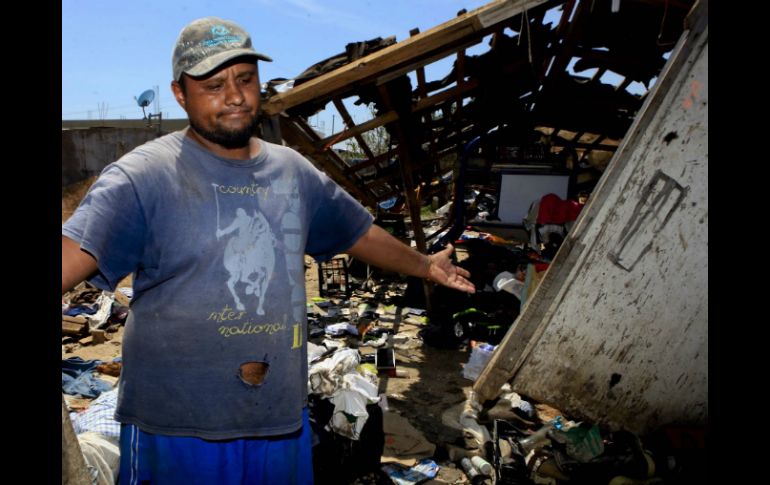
[85, 152]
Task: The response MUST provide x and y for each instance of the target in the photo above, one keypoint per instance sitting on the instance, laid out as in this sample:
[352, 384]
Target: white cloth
[102, 455]
[350, 402]
[326, 376]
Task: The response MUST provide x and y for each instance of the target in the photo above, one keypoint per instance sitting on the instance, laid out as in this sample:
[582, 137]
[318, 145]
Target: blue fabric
[77, 377]
[74, 311]
[170, 460]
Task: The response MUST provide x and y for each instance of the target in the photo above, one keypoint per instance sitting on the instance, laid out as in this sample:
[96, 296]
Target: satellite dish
[145, 99]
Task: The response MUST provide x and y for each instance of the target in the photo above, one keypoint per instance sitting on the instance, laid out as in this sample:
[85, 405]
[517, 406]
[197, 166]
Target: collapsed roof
[534, 84]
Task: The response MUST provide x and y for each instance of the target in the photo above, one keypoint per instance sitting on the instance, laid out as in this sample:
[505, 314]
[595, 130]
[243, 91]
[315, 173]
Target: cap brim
[210, 63]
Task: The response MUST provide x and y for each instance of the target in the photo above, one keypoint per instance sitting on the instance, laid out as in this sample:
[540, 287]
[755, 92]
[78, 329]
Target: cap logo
[219, 30]
[221, 36]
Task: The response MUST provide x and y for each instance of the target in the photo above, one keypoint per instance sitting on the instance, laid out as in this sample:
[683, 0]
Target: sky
[113, 51]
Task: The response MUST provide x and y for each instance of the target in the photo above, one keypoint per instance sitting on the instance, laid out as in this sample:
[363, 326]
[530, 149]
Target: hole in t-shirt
[253, 373]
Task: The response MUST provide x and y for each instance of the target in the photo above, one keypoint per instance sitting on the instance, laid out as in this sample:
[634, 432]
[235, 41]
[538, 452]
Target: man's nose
[233, 93]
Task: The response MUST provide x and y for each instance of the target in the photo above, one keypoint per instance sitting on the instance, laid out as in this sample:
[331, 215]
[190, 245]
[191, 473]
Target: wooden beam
[296, 132]
[403, 52]
[445, 51]
[372, 161]
[420, 71]
[423, 93]
[596, 78]
[381, 120]
[406, 174]
[560, 29]
[584, 146]
[576, 137]
[391, 116]
[388, 179]
[460, 78]
[349, 122]
[594, 146]
[623, 85]
[430, 101]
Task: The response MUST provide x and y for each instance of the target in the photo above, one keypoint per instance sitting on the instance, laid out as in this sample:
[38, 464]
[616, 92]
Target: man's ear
[176, 88]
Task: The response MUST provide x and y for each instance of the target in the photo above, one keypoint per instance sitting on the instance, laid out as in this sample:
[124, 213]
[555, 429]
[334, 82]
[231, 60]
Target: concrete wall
[85, 152]
[617, 331]
[166, 126]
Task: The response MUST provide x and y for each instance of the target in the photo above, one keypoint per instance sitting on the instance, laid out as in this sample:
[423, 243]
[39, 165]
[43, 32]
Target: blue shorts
[160, 459]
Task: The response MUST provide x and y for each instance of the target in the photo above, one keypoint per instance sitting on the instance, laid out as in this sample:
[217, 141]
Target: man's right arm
[76, 264]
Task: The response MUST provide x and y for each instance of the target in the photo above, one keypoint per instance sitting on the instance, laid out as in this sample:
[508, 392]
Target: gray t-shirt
[216, 247]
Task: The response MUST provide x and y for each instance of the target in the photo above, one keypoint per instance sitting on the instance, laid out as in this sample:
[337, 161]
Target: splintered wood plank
[69, 328]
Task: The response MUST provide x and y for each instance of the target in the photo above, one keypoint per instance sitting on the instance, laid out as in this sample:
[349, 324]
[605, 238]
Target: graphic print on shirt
[291, 229]
[249, 256]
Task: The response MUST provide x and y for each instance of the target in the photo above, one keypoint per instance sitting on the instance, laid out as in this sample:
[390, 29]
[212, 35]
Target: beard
[227, 138]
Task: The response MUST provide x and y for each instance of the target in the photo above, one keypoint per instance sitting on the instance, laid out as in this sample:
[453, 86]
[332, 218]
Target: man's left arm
[379, 248]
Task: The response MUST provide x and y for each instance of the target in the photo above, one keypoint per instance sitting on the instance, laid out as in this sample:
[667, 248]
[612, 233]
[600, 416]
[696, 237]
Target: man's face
[222, 107]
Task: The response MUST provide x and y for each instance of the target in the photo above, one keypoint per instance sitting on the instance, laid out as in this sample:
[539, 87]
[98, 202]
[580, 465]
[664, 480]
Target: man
[214, 224]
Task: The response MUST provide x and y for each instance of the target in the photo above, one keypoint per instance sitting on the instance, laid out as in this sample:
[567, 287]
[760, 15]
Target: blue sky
[113, 51]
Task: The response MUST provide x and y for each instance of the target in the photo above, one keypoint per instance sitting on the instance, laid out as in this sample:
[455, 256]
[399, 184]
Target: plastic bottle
[539, 437]
[469, 469]
[483, 466]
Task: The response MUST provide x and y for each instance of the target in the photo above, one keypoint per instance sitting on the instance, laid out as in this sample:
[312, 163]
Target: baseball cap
[207, 43]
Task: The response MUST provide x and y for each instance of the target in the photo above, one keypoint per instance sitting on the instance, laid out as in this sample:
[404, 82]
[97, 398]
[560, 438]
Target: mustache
[245, 109]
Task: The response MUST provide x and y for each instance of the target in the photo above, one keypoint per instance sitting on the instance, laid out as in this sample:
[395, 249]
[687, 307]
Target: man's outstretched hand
[441, 270]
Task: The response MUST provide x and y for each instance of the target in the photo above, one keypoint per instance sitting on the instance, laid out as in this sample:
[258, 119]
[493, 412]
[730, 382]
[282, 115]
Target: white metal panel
[519, 190]
[626, 342]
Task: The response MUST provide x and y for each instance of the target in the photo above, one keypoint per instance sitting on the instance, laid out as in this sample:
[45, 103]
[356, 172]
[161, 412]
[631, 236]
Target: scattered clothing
[99, 417]
[77, 378]
[424, 470]
[102, 456]
[74, 311]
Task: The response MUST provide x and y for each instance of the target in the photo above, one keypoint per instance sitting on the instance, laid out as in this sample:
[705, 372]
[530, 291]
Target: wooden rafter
[390, 116]
[420, 71]
[296, 132]
[381, 120]
[372, 161]
[407, 171]
[449, 94]
[349, 123]
[445, 51]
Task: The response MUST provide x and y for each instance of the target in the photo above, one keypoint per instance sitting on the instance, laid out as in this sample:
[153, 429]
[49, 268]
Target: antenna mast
[143, 101]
